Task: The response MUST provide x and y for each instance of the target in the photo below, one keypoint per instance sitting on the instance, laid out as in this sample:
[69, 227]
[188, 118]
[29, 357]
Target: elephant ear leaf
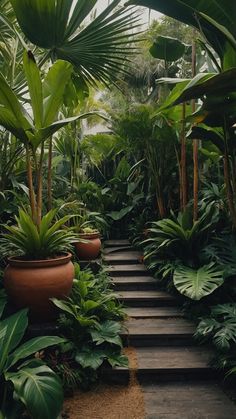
[196, 284]
[39, 388]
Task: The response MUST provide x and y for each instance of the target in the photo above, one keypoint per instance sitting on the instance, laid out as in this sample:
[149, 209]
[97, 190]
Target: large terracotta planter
[32, 283]
[91, 249]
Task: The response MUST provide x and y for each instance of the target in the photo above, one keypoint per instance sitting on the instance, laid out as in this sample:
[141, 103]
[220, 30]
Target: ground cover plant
[27, 383]
[90, 320]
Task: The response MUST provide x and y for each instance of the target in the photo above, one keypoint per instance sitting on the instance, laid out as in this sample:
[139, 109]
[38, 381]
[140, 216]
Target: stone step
[127, 270]
[134, 283]
[153, 312]
[116, 243]
[158, 332]
[146, 298]
[119, 258]
[109, 250]
[161, 364]
[187, 400]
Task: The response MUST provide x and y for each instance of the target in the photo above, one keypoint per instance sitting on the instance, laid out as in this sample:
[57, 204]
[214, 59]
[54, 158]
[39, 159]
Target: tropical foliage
[36, 387]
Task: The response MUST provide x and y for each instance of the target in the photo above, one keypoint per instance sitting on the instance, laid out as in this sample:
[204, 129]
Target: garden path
[174, 374]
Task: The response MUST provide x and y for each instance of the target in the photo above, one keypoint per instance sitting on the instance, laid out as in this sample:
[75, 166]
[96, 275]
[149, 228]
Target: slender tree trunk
[31, 185]
[160, 206]
[227, 178]
[49, 180]
[40, 185]
[195, 144]
[184, 191]
[233, 171]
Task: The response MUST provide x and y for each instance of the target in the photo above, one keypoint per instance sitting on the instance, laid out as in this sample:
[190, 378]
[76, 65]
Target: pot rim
[94, 235]
[40, 263]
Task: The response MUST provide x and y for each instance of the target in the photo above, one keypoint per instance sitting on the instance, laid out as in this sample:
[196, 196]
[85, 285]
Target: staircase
[176, 379]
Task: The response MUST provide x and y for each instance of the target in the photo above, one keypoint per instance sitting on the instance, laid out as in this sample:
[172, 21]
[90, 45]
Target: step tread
[194, 400]
[122, 257]
[173, 358]
[141, 295]
[133, 280]
[122, 268]
[165, 358]
[158, 327]
[110, 250]
[116, 243]
[152, 312]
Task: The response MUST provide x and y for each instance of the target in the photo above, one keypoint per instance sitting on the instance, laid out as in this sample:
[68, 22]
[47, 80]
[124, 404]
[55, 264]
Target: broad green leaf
[167, 48]
[205, 133]
[39, 388]
[90, 358]
[116, 359]
[35, 87]
[53, 90]
[64, 306]
[107, 332]
[9, 101]
[118, 215]
[48, 131]
[10, 123]
[214, 18]
[31, 347]
[3, 302]
[90, 305]
[196, 284]
[14, 327]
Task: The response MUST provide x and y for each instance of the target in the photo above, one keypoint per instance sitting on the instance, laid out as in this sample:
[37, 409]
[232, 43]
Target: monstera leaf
[198, 283]
[39, 388]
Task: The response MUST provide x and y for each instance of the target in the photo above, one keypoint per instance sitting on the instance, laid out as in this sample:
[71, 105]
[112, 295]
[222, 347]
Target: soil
[109, 401]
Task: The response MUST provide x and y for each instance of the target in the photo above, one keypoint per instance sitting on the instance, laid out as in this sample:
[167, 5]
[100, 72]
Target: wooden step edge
[121, 375]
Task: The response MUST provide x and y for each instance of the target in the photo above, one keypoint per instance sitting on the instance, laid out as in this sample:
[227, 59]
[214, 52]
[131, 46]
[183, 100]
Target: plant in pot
[41, 267]
[88, 226]
[35, 237]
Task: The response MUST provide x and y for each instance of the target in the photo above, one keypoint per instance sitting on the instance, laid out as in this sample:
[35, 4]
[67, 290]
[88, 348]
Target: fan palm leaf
[98, 50]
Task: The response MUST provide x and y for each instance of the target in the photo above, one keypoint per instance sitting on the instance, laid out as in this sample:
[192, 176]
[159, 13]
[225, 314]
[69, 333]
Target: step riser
[146, 341]
[130, 273]
[134, 287]
[120, 262]
[158, 376]
[148, 303]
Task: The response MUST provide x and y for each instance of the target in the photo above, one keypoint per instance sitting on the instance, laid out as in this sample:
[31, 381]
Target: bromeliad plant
[46, 240]
[27, 384]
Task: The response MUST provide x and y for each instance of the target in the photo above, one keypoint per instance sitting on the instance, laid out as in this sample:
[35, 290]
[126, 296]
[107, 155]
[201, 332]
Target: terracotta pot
[90, 250]
[30, 283]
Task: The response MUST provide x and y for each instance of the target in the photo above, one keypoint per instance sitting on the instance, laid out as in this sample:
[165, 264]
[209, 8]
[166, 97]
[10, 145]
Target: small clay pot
[31, 283]
[91, 249]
